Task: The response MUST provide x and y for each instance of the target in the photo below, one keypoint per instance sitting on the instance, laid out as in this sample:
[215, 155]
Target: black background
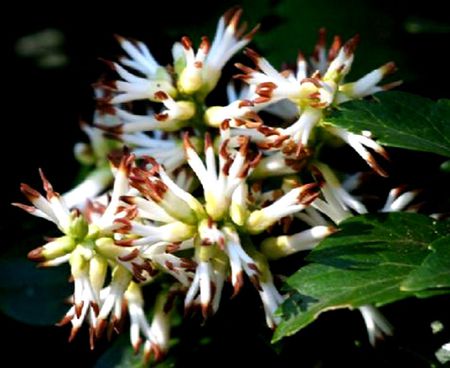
[40, 113]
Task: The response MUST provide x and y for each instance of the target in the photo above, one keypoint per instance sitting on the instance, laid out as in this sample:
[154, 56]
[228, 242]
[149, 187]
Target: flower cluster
[189, 195]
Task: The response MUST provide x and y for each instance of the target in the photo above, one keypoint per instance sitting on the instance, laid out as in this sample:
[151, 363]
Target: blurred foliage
[296, 25]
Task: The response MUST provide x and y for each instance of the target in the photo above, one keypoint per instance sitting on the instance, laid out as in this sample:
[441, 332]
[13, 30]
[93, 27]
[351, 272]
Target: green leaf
[399, 119]
[32, 295]
[435, 269]
[364, 263]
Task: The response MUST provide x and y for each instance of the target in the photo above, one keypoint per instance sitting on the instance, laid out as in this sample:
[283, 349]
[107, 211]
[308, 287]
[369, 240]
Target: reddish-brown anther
[244, 142]
[131, 200]
[267, 130]
[320, 45]
[246, 69]
[173, 247]
[91, 338]
[254, 279]
[137, 346]
[254, 267]
[233, 15]
[318, 105]
[260, 100]
[294, 163]
[137, 272]
[238, 284]
[64, 321]
[119, 38]
[124, 242]
[208, 141]
[205, 44]
[221, 243]
[130, 256]
[389, 68]
[279, 141]
[95, 307]
[100, 328]
[73, 333]
[334, 49]
[206, 242]
[186, 42]
[156, 351]
[170, 300]
[250, 34]
[265, 89]
[300, 57]
[255, 121]
[314, 95]
[264, 145]
[242, 77]
[187, 142]
[243, 173]
[239, 122]
[162, 116]
[157, 190]
[29, 192]
[102, 104]
[206, 310]
[129, 212]
[225, 124]
[308, 194]
[246, 103]
[160, 95]
[124, 225]
[79, 309]
[253, 55]
[169, 265]
[314, 81]
[374, 165]
[253, 162]
[223, 151]
[350, 45]
[188, 264]
[36, 255]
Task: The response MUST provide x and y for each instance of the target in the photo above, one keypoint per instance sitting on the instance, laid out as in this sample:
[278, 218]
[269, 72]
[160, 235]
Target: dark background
[41, 111]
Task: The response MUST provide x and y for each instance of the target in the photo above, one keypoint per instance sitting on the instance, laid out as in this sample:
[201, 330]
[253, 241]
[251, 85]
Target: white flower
[202, 70]
[295, 200]
[398, 199]
[220, 183]
[377, 325]
[271, 300]
[284, 245]
[156, 335]
[337, 201]
[88, 247]
[310, 94]
[133, 87]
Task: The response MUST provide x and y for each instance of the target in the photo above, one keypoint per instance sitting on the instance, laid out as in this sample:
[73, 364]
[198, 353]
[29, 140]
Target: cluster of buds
[177, 195]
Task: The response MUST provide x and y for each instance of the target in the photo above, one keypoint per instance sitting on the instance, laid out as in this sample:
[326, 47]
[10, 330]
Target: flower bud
[78, 226]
